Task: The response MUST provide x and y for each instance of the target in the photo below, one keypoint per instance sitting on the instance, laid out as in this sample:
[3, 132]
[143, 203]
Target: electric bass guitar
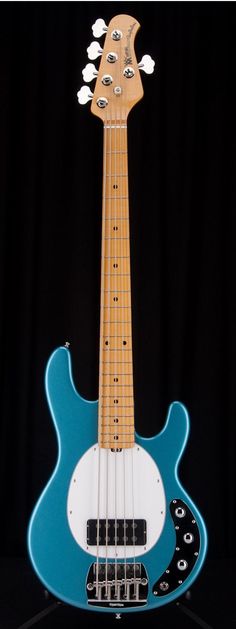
[114, 530]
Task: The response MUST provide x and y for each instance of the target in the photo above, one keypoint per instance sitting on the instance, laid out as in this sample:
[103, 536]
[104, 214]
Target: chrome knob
[89, 72]
[188, 538]
[182, 564]
[84, 95]
[180, 512]
[99, 28]
[94, 50]
[164, 586]
[147, 64]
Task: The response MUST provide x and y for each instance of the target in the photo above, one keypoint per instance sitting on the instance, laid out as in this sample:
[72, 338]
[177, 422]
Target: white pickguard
[130, 487]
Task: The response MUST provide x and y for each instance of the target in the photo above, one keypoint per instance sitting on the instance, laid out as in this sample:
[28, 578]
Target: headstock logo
[128, 57]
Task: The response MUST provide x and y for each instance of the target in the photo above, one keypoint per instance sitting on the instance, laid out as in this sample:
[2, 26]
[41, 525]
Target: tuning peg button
[146, 64]
[89, 72]
[99, 28]
[84, 95]
[94, 50]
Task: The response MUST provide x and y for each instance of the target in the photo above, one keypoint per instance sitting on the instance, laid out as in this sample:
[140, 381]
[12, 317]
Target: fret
[119, 374]
[120, 307]
[117, 322]
[111, 442]
[112, 396]
[116, 217]
[115, 256]
[117, 362]
[115, 434]
[114, 426]
[111, 434]
[115, 289]
[121, 444]
[126, 416]
[115, 152]
[122, 206]
[115, 386]
[118, 413]
[110, 317]
[116, 197]
[117, 336]
[107, 406]
[117, 349]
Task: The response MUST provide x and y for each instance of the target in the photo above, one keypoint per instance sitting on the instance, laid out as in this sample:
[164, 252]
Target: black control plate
[186, 549]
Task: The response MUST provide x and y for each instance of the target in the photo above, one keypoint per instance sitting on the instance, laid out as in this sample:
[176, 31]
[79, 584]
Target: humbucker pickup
[117, 532]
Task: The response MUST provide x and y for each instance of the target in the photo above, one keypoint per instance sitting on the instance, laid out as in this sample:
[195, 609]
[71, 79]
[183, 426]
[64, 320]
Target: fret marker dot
[115, 266]
[116, 420]
[115, 401]
[106, 343]
[115, 379]
[115, 186]
[115, 228]
[115, 298]
[124, 342]
[116, 438]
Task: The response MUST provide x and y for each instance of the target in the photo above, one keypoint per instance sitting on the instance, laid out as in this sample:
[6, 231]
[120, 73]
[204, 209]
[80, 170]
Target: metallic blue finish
[58, 560]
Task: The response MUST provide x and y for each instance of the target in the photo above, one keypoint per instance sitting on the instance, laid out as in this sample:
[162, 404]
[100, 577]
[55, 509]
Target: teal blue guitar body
[61, 563]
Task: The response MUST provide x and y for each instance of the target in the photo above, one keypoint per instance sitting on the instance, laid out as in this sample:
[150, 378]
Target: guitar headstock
[118, 84]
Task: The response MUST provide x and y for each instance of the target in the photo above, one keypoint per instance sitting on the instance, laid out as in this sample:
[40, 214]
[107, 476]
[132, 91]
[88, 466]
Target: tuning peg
[84, 95]
[146, 64]
[99, 28]
[89, 72]
[94, 50]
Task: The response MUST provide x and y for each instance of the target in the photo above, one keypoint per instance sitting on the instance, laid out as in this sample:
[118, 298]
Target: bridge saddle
[117, 584]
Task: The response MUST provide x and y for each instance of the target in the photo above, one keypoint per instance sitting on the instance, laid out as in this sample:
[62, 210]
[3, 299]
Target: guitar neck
[116, 399]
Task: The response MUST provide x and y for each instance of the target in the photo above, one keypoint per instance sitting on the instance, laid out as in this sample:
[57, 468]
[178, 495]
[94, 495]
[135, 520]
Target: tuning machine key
[94, 50]
[99, 28]
[89, 72]
[147, 64]
[84, 95]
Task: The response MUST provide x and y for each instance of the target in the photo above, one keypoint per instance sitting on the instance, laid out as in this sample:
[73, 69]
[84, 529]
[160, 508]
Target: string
[123, 325]
[132, 448]
[109, 335]
[98, 520]
[116, 339]
[101, 357]
[134, 549]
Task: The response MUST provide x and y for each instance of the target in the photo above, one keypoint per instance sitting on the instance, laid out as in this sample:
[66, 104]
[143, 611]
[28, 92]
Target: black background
[182, 157]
